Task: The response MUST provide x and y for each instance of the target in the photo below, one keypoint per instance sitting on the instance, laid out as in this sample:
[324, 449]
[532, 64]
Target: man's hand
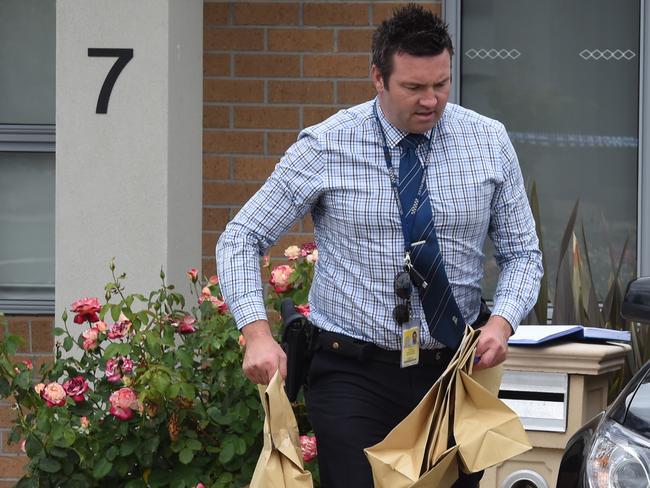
[492, 343]
[263, 356]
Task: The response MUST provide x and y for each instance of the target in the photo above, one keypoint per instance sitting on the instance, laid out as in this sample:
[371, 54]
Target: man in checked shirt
[343, 171]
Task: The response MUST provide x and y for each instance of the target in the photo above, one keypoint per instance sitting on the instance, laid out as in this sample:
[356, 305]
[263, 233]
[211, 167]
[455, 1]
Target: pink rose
[213, 280]
[303, 309]
[242, 340]
[308, 447]
[119, 329]
[200, 485]
[75, 388]
[280, 278]
[86, 309]
[100, 326]
[186, 326]
[54, 395]
[292, 253]
[90, 338]
[218, 303]
[117, 367]
[266, 261]
[39, 388]
[123, 402]
[28, 364]
[313, 257]
[307, 248]
[192, 274]
[85, 423]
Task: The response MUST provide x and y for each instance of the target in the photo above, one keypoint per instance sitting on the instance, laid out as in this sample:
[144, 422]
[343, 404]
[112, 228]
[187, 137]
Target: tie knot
[412, 141]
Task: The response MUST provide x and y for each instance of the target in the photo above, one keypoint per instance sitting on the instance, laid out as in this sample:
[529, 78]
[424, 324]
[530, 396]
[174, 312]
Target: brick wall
[270, 69]
[39, 346]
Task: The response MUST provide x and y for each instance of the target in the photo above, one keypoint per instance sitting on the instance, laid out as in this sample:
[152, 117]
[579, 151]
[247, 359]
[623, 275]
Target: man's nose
[429, 99]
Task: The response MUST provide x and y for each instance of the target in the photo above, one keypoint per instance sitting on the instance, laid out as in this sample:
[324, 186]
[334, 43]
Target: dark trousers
[353, 405]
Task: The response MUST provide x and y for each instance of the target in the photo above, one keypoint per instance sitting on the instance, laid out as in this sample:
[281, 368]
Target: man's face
[417, 91]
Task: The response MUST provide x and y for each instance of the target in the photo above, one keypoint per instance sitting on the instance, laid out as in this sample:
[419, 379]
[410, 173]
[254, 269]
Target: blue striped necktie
[446, 323]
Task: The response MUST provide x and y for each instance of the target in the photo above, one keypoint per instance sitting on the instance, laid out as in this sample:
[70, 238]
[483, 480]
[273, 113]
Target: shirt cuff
[248, 309]
[510, 311]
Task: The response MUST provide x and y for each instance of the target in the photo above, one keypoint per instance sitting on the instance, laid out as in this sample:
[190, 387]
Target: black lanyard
[406, 220]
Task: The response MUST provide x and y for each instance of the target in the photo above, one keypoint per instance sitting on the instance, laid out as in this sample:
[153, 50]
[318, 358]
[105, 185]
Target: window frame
[27, 299]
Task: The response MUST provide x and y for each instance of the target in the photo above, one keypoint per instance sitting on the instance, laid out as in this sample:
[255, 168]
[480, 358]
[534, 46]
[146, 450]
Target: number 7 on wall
[123, 57]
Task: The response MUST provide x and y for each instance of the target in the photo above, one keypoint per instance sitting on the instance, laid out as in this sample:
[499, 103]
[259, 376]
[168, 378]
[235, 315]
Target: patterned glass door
[563, 76]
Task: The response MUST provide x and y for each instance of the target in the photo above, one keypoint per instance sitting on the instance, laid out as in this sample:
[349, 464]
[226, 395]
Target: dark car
[613, 449]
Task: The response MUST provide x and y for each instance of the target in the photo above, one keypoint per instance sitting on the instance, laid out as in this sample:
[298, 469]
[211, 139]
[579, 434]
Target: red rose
[75, 388]
[86, 309]
[303, 309]
[308, 447]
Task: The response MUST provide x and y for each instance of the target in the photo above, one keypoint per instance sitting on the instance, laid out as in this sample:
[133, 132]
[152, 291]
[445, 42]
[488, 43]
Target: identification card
[410, 343]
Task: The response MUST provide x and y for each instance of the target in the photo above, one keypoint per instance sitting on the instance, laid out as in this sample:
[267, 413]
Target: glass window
[27, 49]
[564, 79]
[27, 97]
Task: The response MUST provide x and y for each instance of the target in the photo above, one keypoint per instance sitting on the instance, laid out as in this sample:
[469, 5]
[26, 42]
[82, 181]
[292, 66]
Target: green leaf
[160, 382]
[12, 343]
[187, 390]
[174, 390]
[5, 389]
[68, 437]
[194, 444]
[102, 468]
[111, 453]
[117, 349]
[57, 431]
[116, 310]
[128, 446]
[49, 465]
[186, 456]
[227, 452]
[43, 421]
[57, 452]
[240, 447]
[23, 380]
[33, 446]
[67, 343]
[58, 331]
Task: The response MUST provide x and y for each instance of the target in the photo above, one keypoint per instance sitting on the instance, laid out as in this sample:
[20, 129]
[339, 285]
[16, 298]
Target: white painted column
[128, 181]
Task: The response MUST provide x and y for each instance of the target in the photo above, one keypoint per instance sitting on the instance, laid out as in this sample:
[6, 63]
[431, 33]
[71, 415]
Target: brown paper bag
[416, 452]
[417, 446]
[486, 430]
[280, 463]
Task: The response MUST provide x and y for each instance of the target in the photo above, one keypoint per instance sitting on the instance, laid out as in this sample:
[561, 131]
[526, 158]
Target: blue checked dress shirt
[336, 170]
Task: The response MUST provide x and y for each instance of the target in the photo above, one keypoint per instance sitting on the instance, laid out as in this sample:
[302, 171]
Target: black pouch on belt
[297, 342]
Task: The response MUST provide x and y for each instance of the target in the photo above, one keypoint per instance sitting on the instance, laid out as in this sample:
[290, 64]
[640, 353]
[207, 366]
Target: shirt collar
[393, 134]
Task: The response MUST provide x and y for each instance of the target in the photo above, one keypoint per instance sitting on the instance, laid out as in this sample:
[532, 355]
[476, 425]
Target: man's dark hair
[412, 30]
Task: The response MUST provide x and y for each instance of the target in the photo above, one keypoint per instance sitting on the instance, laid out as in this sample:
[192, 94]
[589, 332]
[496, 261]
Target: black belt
[367, 351]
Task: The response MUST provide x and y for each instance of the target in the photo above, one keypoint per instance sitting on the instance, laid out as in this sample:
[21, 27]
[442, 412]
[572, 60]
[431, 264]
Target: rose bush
[153, 395]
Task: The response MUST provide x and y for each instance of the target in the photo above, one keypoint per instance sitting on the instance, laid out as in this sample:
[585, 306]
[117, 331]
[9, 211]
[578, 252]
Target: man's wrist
[503, 324]
[256, 330]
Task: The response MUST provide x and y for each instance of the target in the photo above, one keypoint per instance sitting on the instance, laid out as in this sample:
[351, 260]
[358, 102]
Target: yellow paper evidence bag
[417, 454]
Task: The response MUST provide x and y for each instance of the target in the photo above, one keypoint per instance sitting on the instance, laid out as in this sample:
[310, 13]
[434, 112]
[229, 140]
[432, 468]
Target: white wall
[128, 182]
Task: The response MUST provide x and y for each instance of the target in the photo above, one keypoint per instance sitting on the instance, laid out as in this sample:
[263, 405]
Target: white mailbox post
[128, 143]
[554, 389]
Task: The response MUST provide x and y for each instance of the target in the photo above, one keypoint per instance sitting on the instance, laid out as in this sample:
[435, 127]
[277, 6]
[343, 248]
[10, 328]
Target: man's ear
[377, 79]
